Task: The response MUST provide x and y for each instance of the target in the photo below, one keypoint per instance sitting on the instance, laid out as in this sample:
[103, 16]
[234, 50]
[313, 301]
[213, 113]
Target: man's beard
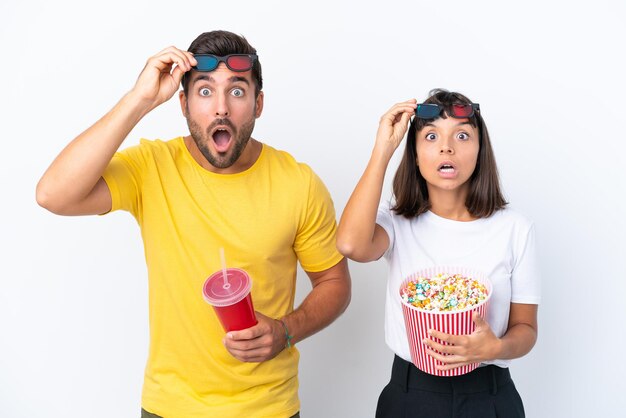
[240, 138]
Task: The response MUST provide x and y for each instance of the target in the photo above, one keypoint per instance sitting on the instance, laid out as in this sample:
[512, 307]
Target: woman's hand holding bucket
[459, 350]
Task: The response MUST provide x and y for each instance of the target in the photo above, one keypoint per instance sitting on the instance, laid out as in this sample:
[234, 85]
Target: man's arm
[329, 297]
[73, 183]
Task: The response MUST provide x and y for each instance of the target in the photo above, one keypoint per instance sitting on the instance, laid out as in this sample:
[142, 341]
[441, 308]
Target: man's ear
[259, 105]
[183, 102]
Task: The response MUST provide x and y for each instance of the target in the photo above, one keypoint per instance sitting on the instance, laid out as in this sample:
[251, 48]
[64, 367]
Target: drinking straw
[223, 258]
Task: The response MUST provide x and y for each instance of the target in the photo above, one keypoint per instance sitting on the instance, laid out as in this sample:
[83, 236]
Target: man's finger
[249, 353]
[245, 334]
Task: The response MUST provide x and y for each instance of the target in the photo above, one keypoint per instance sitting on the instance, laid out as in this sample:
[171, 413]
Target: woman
[447, 210]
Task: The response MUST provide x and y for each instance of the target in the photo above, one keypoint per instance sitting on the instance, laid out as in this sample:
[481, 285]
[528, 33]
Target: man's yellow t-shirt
[266, 218]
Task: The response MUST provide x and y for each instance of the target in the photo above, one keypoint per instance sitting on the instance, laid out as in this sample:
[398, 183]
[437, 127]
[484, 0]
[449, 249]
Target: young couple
[220, 188]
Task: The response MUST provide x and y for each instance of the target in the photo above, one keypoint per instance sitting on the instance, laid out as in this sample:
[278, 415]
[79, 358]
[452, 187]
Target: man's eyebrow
[203, 76]
[239, 78]
[233, 79]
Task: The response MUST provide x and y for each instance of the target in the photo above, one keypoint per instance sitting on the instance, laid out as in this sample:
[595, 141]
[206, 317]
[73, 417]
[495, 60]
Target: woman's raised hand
[393, 125]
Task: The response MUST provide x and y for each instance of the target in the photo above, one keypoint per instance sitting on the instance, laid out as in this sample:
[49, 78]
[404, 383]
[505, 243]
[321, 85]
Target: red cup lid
[217, 293]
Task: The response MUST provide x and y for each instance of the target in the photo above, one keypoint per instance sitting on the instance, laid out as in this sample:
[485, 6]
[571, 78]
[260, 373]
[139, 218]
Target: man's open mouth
[221, 138]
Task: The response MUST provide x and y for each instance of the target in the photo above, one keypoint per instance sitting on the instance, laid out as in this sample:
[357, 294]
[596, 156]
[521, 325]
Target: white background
[549, 79]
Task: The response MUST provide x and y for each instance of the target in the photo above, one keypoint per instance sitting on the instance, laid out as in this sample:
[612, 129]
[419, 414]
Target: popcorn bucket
[456, 322]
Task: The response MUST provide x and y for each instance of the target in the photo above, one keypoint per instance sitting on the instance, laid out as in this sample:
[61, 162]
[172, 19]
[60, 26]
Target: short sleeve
[124, 176]
[525, 278]
[385, 220]
[316, 242]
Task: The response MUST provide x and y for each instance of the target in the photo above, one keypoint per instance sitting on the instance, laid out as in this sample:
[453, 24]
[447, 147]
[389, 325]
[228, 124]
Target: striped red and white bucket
[419, 321]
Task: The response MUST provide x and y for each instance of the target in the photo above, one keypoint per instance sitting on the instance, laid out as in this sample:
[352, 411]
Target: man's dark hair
[221, 43]
[409, 186]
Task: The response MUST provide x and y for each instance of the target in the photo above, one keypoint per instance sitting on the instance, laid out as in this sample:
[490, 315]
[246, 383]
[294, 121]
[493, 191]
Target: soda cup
[231, 299]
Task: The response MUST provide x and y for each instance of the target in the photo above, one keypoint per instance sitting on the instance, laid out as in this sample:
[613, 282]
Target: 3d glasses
[234, 62]
[432, 111]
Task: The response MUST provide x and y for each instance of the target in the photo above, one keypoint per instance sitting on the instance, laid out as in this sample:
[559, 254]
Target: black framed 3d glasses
[432, 111]
[234, 62]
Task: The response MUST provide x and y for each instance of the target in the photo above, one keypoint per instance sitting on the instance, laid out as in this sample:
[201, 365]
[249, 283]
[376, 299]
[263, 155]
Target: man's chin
[220, 161]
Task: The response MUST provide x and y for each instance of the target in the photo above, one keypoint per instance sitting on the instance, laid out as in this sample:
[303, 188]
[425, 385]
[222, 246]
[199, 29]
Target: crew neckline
[208, 173]
[433, 217]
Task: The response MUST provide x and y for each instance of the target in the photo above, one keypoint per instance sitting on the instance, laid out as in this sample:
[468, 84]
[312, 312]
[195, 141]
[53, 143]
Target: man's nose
[221, 109]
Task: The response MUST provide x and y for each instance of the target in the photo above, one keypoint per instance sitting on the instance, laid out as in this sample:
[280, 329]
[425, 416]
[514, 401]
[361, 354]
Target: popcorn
[444, 292]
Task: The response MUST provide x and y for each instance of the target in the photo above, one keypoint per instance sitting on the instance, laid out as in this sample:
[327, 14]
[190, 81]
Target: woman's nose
[446, 149]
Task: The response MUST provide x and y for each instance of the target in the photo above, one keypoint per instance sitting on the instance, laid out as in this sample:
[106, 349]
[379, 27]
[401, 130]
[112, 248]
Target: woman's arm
[358, 236]
[483, 345]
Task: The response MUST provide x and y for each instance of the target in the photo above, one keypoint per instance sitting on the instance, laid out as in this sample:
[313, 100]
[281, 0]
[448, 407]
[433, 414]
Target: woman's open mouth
[447, 169]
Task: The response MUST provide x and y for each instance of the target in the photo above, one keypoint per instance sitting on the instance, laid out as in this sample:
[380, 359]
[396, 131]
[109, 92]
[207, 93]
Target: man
[215, 188]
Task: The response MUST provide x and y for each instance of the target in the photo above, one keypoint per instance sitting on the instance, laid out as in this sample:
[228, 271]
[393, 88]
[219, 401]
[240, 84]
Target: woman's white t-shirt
[501, 246]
